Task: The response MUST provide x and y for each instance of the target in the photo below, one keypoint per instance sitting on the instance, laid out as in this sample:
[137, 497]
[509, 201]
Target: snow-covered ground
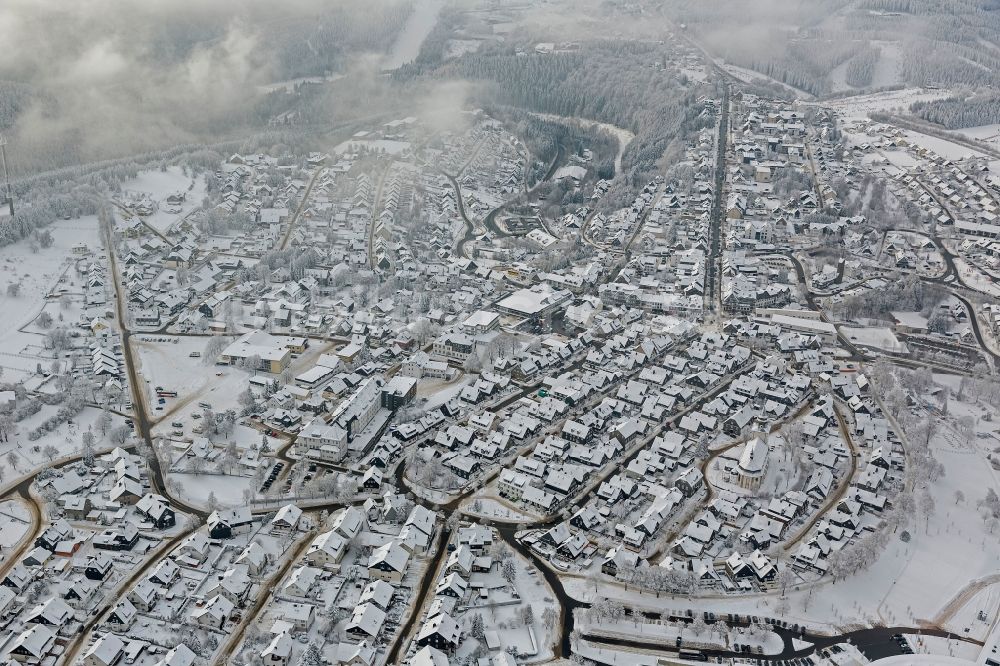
[986, 133]
[975, 278]
[228, 490]
[967, 621]
[449, 391]
[886, 69]
[874, 337]
[494, 509]
[15, 519]
[695, 74]
[898, 158]
[859, 106]
[158, 185]
[939, 647]
[66, 439]
[171, 366]
[39, 273]
[942, 147]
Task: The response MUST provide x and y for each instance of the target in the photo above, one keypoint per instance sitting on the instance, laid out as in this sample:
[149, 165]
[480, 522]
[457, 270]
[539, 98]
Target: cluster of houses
[469, 581]
[104, 524]
[718, 392]
[357, 572]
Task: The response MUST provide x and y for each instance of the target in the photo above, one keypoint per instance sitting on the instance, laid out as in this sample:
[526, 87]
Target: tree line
[961, 111]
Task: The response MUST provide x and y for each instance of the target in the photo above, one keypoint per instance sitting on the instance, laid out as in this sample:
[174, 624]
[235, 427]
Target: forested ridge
[959, 112]
[185, 77]
[939, 42]
[616, 82]
[324, 43]
[861, 68]
[14, 99]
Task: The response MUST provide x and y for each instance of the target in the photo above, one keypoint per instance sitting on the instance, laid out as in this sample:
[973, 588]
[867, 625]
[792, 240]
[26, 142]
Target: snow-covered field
[15, 519]
[417, 27]
[967, 621]
[67, 439]
[158, 185]
[898, 158]
[39, 274]
[861, 105]
[886, 69]
[874, 337]
[228, 489]
[171, 366]
[986, 133]
[942, 147]
[695, 74]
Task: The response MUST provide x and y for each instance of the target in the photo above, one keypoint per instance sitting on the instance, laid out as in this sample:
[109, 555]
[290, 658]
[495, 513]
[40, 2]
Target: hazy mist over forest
[111, 78]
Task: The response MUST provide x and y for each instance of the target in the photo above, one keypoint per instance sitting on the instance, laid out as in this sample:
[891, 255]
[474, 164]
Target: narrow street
[293, 220]
[713, 280]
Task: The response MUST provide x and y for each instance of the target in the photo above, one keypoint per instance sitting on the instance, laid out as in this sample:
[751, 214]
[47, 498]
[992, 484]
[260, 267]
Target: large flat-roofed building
[272, 351]
[398, 391]
[537, 301]
[481, 321]
[315, 377]
[806, 323]
[356, 412]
